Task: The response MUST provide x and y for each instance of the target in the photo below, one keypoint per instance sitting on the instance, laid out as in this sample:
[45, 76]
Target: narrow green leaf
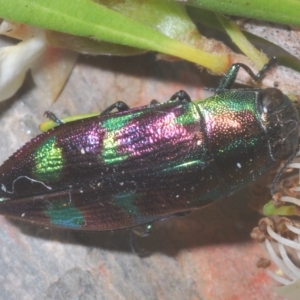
[236, 35]
[89, 19]
[284, 12]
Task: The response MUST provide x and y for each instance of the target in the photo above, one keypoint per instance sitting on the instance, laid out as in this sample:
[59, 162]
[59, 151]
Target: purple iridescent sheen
[129, 168]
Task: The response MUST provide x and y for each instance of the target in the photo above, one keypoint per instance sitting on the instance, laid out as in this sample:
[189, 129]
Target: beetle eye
[270, 99]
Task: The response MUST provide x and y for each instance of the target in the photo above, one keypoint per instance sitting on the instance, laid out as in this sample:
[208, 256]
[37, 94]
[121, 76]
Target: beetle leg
[229, 78]
[142, 231]
[154, 102]
[181, 96]
[120, 106]
[51, 116]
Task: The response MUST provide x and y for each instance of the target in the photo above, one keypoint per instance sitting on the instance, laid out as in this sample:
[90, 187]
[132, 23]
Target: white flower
[281, 237]
[50, 66]
[16, 60]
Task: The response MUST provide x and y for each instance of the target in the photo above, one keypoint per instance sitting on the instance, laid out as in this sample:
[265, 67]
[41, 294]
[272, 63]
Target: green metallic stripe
[125, 202]
[48, 160]
[109, 153]
[190, 115]
[118, 122]
[62, 213]
[185, 165]
[234, 101]
[235, 144]
[112, 125]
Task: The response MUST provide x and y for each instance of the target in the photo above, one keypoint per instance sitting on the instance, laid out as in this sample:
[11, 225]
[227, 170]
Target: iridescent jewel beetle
[135, 166]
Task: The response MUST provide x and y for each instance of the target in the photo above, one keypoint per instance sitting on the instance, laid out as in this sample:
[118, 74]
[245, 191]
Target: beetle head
[280, 121]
